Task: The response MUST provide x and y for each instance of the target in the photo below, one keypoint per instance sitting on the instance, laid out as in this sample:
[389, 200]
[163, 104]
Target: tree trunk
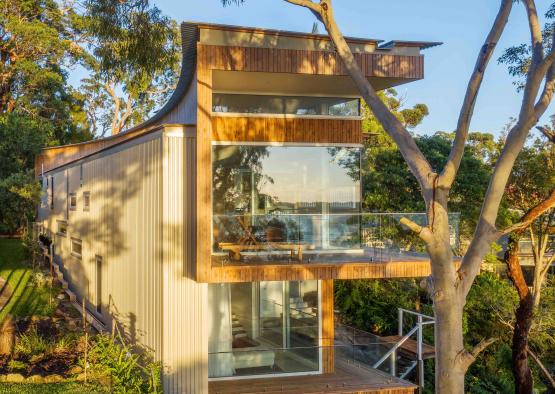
[521, 370]
[523, 317]
[449, 374]
[448, 301]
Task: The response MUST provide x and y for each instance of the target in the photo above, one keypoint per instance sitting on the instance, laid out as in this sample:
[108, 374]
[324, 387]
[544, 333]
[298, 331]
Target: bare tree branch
[306, 3]
[416, 161]
[534, 26]
[550, 134]
[449, 172]
[542, 367]
[423, 232]
[532, 215]
[468, 357]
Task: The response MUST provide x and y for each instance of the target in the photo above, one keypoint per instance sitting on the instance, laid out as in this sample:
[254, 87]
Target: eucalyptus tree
[450, 283]
[131, 53]
[531, 191]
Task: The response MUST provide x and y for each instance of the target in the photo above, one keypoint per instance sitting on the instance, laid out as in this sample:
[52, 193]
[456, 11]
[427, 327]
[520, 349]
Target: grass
[27, 299]
[52, 388]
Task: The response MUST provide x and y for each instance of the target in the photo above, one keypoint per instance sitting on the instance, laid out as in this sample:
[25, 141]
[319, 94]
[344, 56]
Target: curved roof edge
[189, 38]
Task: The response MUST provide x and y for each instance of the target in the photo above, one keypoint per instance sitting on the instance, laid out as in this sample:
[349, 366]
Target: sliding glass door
[270, 328]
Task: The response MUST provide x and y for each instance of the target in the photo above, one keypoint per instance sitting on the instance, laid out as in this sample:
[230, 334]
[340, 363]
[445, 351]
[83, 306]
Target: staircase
[398, 355]
[237, 329]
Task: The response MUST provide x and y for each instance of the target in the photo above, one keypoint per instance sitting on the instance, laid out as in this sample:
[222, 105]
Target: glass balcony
[318, 238]
[351, 347]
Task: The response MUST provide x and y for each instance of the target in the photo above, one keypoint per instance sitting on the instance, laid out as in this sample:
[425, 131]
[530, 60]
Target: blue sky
[461, 26]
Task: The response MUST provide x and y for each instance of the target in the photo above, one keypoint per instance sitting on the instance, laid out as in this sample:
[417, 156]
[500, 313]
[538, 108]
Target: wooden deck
[409, 347]
[347, 379]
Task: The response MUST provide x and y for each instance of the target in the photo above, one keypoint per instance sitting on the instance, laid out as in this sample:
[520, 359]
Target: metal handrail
[395, 347]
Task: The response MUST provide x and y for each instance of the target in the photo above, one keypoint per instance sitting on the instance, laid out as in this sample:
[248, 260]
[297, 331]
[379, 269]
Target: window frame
[74, 241]
[61, 233]
[284, 102]
[72, 197]
[86, 201]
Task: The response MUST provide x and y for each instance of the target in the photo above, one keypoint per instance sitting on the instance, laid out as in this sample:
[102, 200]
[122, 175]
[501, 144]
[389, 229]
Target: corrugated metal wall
[185, 301]
[124, 226]
[141, 222]
[185, 112]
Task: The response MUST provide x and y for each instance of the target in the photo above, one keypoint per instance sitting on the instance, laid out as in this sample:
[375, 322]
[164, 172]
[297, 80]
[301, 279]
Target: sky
[461, 26]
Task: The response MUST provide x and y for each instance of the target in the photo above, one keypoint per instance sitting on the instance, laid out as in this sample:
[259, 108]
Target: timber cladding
[311, 271]
[296, 61]
[280, 129]
[286, 130]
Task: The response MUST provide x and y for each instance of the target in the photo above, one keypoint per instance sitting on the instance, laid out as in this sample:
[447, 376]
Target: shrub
[16, 366]
[31, 344]
[39, 279]
[130, 368]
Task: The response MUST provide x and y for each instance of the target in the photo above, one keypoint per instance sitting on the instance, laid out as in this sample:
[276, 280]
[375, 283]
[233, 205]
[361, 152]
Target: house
[212, 233]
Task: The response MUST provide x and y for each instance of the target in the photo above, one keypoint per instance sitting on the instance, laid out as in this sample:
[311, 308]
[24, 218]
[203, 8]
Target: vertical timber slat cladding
[328, 329]
[286, 130]
[371, 270]
[122, 226]
[204, 164]
[185, 348]
[296, 61]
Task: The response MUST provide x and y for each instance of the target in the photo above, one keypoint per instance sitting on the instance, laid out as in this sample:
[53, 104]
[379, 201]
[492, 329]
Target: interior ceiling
[293, 84]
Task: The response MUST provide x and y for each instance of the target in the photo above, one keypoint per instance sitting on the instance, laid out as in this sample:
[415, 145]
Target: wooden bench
[236, 249]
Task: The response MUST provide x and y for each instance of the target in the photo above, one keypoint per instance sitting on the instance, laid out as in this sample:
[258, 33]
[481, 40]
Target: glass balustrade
[318, 238]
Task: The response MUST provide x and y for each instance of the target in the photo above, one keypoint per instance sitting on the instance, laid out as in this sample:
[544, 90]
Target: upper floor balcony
[285, 207]
[318, 238]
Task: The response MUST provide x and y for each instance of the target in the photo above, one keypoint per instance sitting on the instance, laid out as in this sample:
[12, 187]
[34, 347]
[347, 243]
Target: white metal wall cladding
[124, 227]
[185, 301]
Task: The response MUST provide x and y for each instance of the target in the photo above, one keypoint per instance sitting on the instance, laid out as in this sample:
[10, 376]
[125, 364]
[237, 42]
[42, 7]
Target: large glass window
[290, 198]
[285, 105]
[263, 328]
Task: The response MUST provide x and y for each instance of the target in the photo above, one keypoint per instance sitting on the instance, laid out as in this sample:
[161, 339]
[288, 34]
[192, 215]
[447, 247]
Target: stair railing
[421, 321]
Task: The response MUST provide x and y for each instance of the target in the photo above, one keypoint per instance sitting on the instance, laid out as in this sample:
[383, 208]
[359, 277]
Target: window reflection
[295, 197]
[285, 105]
[263, 328]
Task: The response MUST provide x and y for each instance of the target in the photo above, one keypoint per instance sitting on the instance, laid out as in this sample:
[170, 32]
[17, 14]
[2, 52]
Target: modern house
[213, 232]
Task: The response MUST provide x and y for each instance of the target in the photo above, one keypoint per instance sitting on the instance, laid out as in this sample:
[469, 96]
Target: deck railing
[290, 238]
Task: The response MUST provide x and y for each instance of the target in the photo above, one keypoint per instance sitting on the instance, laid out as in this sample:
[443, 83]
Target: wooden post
[51, 257]
[86, 337]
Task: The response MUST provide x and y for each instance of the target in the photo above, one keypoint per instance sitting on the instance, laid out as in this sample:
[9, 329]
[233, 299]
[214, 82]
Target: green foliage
[21, 139]
[372, 305]
[409, 117]
[35, 45]
[31, 344]
[491, 373]
[132, 54]
[16, 366]
[533, 175]
[518, 58]
[53, 388]
[131, 370]
[19, 197]
[388, 185]
[490, 302]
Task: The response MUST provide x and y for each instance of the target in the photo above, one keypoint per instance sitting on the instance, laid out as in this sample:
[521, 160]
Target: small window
[81, 175]
[62, 228]
[86, 201]
[72, 201]
[76, 247]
